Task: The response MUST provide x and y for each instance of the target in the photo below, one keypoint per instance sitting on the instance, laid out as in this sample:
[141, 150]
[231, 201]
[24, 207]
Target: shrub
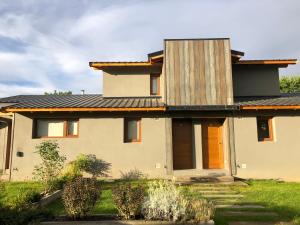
[200, 210]
[89, 164]
[51, 166]
[25, 198]
[128, 200]
[164, 202]
[133, 174]
[80, 196]
[17, 216]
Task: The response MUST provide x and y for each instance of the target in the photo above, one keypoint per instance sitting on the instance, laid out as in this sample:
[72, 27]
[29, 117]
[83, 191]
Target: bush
[164, 202]
[17, 216]
[89, 164]
[51, 166]
[128, 200]
[200, 210]
[134, 174]
[80, 196]
[25, 198]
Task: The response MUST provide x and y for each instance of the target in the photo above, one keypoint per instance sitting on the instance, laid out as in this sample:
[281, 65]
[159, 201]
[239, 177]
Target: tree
[59, 93]
[290, 84]
[52, 164]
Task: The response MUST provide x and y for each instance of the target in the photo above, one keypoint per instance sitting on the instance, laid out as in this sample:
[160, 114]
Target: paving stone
[251, 223]
[224, 196]
[248, 213]
[240, 206]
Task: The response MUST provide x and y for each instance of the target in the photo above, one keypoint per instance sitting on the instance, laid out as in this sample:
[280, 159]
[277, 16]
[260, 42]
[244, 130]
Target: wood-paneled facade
[198, 72]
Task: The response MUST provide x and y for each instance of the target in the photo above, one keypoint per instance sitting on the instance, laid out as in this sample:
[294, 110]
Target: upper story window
[132, 130]
[154, 84]
[264, 128]
[56, 128]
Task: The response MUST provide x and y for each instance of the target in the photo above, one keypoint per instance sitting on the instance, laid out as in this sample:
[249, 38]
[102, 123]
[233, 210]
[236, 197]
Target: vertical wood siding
[198, 72]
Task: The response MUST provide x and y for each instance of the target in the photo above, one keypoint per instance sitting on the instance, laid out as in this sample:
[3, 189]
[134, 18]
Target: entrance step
[231, 206]
[203, 179]
[249, 214]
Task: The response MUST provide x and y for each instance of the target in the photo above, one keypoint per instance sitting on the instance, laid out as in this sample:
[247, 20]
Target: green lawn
[280, 197]
[13, 189]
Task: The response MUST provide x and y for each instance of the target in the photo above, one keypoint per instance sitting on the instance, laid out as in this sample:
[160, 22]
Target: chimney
[82, 92]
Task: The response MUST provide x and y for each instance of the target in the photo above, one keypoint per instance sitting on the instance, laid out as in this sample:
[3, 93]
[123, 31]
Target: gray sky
[46, 45]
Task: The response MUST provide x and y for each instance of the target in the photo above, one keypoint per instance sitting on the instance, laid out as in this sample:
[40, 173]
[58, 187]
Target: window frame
[65, 128]
[157, 76]
[139, 132]
[270, 128]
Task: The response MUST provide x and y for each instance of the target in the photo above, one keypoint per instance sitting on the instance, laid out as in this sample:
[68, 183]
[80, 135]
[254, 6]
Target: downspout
[12, 144]
[233, 164]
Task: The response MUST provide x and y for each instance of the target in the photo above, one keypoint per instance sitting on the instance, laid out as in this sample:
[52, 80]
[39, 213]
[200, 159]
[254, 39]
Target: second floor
[193, 72]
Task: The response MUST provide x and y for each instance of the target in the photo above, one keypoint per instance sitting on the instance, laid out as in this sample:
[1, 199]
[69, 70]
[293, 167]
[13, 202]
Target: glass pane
[132, 130]
[263, 128]
[154, 85]
[73, 127]
[50, 128]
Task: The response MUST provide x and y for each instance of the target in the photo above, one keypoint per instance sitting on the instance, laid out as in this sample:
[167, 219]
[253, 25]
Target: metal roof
[282, 100]
[80, 101]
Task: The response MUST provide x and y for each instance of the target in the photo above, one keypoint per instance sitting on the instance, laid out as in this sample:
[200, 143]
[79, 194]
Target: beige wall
[3, 139]
[128, 82]
[271, 159]
[255, 80]
[102, 137]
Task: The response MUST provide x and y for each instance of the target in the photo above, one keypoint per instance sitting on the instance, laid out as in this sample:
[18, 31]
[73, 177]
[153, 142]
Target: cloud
[46, 45]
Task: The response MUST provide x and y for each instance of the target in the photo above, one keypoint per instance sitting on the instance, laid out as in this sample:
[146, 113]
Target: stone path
[230, 205]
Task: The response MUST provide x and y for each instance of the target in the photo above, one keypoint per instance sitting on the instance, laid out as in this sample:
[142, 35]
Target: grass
[13, 189]
[280, 197]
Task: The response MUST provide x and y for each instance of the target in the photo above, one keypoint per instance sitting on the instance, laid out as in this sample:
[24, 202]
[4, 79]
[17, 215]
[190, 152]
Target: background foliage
[290, 84]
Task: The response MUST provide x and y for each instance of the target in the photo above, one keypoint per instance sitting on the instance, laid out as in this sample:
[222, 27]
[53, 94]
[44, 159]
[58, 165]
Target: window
[56, 128]
[132, 130]
[264, 128]
[154, 84]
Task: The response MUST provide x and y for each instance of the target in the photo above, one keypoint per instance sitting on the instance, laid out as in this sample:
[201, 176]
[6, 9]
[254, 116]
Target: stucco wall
[128, 82]
[3, 139]
[251, 80]
[271, 159]
[102, 137]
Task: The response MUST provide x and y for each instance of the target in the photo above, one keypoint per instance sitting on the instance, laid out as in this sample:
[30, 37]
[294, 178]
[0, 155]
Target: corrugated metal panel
[81, 101]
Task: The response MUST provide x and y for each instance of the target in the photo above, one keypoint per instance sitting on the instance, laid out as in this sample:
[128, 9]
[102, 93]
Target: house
[196, 108]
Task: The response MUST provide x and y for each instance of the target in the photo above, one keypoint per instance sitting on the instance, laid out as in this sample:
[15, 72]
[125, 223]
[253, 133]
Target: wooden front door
[212, 145]
[182, 133]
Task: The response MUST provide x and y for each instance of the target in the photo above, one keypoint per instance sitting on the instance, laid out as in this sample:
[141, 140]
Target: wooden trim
[101, 65]
[270, 107]
[157, 76]
[270, 127]
[139, 126]
[65, 127]
[268, 62]
[83, 109]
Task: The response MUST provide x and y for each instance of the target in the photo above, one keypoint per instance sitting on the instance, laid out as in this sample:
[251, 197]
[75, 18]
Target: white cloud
[62, 37]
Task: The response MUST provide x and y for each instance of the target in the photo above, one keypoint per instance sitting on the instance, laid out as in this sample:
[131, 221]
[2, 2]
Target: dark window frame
[157, 77]
[139, 131]
[65, 127]
[270, 128]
